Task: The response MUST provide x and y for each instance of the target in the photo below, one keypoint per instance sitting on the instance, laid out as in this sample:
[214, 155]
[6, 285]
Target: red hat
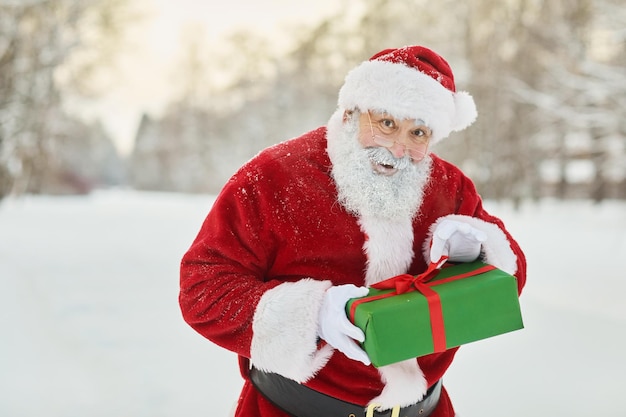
[412, 82]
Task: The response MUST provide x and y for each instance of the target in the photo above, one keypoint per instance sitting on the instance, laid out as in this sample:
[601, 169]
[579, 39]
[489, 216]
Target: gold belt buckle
[395, 411]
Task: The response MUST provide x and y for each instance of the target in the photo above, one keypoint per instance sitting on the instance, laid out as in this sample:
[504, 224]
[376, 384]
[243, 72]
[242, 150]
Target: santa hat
[412, 82]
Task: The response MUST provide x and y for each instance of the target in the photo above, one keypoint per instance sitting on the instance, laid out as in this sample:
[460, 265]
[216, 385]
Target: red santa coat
[276, 238]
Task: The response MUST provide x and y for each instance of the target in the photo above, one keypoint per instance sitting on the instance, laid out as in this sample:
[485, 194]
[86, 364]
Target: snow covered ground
[90, 326]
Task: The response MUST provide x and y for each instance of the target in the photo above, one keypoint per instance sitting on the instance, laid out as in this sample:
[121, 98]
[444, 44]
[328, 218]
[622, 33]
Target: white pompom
[465, 111]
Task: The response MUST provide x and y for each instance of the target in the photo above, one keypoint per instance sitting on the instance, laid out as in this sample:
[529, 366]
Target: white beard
[364, 192]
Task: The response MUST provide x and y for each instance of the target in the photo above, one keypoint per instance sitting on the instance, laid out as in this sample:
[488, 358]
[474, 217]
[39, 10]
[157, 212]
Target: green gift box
[438, 310]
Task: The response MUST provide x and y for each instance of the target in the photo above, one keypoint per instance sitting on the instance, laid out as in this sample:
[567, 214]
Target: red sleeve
[222, 273]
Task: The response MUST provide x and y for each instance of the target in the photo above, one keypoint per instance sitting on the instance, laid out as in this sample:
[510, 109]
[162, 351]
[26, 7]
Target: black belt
[301, 401]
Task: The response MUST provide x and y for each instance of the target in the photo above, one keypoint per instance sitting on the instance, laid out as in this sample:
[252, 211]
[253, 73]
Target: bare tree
[36, 39]
[579, 93]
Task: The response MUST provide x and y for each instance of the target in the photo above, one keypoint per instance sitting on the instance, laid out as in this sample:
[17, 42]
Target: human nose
[398, 149]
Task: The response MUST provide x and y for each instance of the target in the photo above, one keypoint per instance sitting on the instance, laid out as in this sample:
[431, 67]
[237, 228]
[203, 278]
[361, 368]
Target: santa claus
[311, 222]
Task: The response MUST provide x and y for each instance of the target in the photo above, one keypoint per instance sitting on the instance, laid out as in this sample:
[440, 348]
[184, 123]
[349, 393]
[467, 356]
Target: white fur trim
[389, 250]
[407, 93]
[465, 111]
[496, 249]
[389, 247]
[284, 326]
[405, 384]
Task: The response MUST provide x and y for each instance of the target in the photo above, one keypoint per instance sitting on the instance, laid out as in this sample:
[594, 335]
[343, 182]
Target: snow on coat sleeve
[226, 295]
[500, 249]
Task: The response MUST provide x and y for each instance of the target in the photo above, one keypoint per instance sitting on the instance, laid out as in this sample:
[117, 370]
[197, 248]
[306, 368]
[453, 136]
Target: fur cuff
[405, 384]
[496, 249]
[284, 326]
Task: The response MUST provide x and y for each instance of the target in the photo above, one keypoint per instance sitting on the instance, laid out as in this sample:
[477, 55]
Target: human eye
[387, 124]
[421, 132]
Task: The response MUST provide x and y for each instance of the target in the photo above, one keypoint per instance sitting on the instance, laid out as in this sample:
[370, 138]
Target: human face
[370, 180]
[400, 136]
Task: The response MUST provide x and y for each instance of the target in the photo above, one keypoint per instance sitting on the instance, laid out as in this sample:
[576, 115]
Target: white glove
[334, 326]
[457, 240]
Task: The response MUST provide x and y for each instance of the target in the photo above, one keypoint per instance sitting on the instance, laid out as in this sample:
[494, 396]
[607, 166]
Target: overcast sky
[144, 81]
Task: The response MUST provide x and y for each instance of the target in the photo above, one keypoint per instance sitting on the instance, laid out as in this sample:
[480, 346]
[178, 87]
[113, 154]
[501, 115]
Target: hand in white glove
[334, 326]
[457, 240]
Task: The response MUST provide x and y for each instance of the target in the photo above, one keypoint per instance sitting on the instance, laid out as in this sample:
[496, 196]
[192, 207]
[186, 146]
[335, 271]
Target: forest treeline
[547, 77]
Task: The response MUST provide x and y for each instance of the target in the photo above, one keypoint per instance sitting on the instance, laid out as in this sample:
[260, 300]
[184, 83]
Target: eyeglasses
[416, 147]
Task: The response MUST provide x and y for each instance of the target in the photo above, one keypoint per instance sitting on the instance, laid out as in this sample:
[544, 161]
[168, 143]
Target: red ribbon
[405, 283]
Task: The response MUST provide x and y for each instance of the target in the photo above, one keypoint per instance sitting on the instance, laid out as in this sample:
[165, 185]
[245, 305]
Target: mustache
[384, 157]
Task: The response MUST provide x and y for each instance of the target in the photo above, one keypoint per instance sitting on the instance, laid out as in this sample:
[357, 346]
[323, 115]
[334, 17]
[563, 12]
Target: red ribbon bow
[405, 283]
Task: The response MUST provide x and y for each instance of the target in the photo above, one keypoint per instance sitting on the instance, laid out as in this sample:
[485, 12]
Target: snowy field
[90, 326]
